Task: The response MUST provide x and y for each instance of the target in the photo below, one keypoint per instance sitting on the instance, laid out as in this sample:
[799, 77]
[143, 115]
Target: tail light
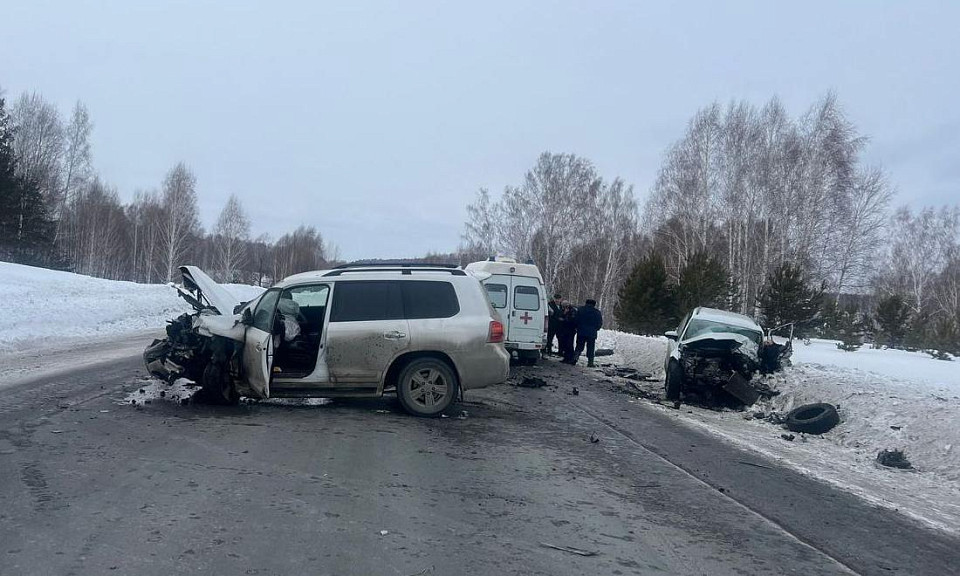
[496, 332]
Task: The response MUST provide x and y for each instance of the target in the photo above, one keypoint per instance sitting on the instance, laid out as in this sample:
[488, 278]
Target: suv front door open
[367, 330]
[258, 346]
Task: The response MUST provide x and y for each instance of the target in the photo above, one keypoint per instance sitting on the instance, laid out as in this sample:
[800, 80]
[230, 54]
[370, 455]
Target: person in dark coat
[567, 330]
[554, 312]
[589, 322]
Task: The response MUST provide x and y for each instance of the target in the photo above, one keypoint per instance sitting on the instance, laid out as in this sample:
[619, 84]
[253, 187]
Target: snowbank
[886, 399]
[39, 306]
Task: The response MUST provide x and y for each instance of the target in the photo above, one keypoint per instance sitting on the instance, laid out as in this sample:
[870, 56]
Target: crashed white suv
[426, 331]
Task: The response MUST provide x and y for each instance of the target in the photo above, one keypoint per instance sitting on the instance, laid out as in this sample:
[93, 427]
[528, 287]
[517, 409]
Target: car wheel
[217, 387]
[426, 387]
[673, 383]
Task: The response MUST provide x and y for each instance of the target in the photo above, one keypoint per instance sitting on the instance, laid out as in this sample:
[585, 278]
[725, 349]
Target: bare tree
[76, 161]
[39, 144]
[179, 220]
[231, 235]
[480, 230]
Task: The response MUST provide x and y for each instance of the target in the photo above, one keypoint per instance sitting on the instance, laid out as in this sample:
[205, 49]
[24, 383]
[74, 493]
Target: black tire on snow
[422, 367]
[217, 387]
[812, 418]
[673, 383]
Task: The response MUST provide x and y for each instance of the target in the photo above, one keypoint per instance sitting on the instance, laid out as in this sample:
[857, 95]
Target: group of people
[567, 323]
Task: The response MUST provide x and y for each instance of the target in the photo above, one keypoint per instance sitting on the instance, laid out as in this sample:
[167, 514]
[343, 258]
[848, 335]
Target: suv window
[526, 298]
[699, 327]
[263, 316]
[359, 301]
[497, 294]
[426, 299]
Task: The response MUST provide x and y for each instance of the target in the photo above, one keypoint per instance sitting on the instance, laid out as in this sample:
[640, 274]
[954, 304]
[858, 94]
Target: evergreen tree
[26, 233]
[646, 304]
[787, 298]
[893, 320]
[704, 281]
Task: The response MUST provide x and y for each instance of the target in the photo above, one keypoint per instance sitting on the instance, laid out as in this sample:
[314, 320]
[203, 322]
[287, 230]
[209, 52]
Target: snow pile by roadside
[645, 353]
[40, 306]
[900, 364]
[886, 399]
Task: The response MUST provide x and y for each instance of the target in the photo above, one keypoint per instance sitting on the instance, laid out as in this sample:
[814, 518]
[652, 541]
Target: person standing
[567, 330]
[554, 312]
[589, 322]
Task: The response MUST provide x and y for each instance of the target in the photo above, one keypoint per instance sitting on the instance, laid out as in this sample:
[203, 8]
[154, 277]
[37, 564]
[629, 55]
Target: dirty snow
[40, 307]
[886, 398]
[154, 391]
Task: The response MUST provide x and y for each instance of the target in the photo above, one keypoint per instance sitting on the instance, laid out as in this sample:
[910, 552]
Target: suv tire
[217, 387]
[673, 383]
[426, 387]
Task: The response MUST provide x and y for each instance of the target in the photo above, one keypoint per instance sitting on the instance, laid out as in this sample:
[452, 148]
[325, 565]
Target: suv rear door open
[366, 330]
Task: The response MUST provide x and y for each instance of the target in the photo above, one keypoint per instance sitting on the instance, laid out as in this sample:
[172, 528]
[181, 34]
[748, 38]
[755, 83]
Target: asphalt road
[90, 485]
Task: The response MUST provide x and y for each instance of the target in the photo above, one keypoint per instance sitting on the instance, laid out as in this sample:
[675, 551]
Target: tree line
[752, 210]
[57, 212]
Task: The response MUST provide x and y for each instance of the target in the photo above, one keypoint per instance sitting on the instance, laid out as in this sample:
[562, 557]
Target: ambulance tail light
[495, 335]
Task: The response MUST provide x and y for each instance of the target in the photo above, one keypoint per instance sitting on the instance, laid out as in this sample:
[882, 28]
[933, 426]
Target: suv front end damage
[204, 346]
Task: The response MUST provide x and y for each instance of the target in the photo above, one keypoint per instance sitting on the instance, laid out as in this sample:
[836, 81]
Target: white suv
[426, 331]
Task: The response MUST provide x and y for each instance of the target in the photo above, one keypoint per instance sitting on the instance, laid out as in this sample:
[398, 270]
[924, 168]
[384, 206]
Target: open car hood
[203, 293]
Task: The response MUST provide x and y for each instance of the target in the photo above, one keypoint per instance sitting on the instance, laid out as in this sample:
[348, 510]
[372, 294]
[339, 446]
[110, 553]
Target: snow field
[40, 307]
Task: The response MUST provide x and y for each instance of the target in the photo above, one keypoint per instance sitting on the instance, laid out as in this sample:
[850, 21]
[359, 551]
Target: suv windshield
[699, 327]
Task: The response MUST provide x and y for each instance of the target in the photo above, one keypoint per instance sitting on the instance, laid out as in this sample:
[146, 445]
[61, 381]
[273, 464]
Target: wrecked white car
[426, 331]
[714, 355]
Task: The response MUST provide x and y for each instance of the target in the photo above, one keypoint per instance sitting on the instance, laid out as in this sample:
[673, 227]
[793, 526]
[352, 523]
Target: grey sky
[377, 121]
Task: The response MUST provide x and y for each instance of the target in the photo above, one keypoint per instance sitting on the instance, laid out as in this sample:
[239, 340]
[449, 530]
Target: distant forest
[752, 210]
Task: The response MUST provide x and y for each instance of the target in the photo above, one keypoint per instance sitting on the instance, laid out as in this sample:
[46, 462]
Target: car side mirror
[671, 334]
[247, 317]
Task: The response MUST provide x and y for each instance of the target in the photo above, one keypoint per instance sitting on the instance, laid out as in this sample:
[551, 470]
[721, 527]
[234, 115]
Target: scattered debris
[576, 551]
[576, 391]
[594, 438]
[463, 415]
[744, 462]
[812, 418]
[384, 532]
[381, 411]
[625, 372]
[532, 382]
[56, 431]
[603, 352]
[788, 437]
[895, 427]
[894, 459]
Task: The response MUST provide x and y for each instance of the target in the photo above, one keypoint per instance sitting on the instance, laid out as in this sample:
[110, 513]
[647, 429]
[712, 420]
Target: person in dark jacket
[566, 331]
[589, 322]
[554, 312]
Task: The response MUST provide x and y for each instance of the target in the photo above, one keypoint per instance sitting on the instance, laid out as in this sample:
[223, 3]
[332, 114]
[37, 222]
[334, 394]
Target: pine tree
[646, 304]
[893, 320]
[704, 281]
[787, 298]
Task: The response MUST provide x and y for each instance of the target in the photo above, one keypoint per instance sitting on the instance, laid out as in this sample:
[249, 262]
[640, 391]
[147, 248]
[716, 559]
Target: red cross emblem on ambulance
[526, 318]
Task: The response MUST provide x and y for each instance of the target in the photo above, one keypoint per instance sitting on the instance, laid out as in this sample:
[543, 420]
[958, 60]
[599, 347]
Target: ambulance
[517, 293]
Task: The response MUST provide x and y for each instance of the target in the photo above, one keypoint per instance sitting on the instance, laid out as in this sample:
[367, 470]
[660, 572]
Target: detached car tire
[426, 387]
[673, 382]
[812, 418]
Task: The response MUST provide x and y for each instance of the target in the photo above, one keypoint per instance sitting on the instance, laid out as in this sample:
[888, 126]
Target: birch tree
[231, 235]
[179, 220]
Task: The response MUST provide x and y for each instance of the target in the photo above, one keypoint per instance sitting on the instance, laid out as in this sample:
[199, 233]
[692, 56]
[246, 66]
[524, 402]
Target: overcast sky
[377, 122]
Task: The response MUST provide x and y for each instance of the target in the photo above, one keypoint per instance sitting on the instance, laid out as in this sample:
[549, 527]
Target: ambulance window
[526, 298]
[497, 294]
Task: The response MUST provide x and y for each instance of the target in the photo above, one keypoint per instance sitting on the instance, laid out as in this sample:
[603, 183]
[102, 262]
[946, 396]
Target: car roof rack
[405, 270]
[398, 264]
